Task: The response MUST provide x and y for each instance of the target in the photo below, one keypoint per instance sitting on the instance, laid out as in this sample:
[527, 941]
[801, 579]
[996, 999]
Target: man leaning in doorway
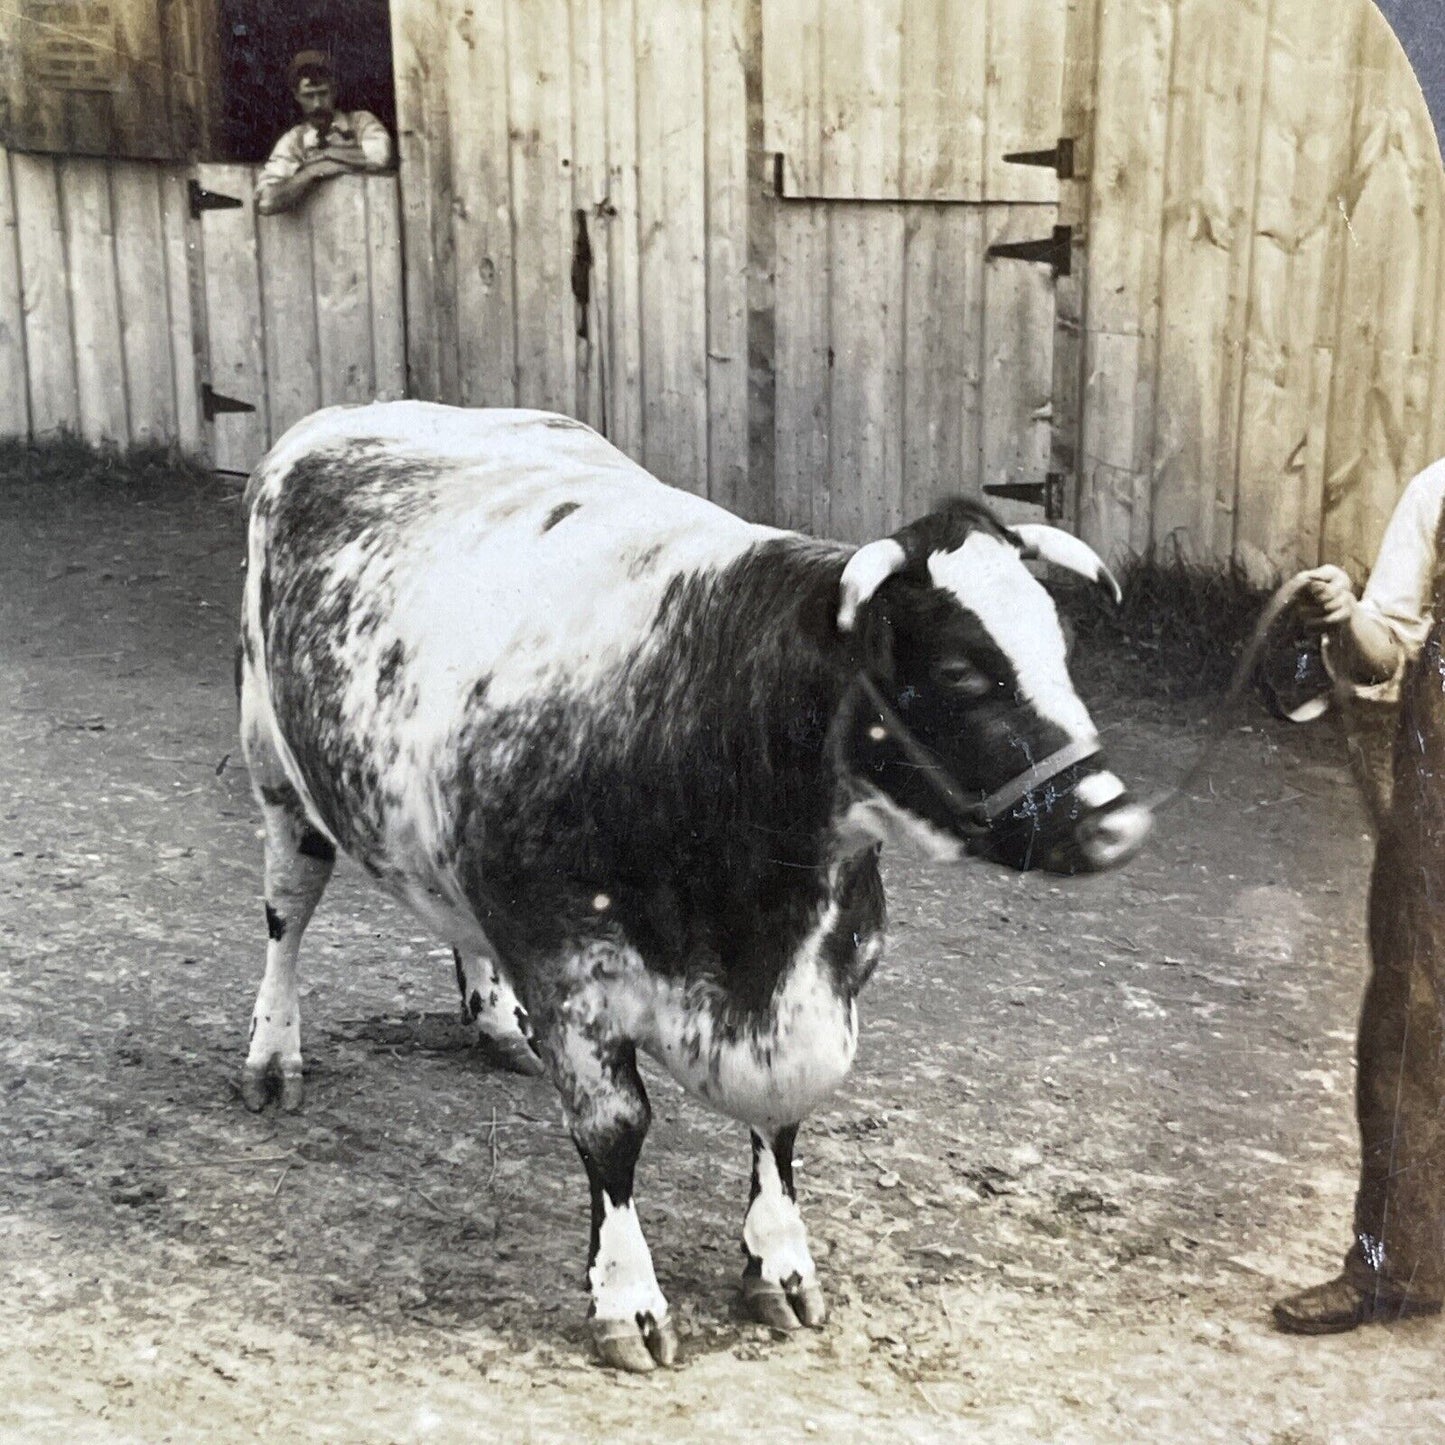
[1389, 644]
[327, 143]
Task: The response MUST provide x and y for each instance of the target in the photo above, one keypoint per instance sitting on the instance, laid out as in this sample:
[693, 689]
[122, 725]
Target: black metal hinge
[1055, 251]
[213, 403]
[1048, 494]
[1060, 159]
[204, 200]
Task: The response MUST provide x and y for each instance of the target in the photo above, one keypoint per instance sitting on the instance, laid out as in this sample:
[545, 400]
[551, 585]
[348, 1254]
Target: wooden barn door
[301, 310]
[1247, 357]
[916, 262]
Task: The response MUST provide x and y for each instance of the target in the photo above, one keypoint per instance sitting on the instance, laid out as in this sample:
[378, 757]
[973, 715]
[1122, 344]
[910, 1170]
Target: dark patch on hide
[392, 661]
[317, 845]
[281, 795]
[564, 509]
[275, 925]
[355, 494]
[644, 562]
[695, 792]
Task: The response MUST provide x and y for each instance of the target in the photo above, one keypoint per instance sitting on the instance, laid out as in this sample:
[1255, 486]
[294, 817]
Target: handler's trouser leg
[1399, 1249]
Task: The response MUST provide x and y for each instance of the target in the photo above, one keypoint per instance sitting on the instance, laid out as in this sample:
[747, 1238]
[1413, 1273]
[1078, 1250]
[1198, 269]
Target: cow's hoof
[259, 1085]
[636, 1348]
[809, 1305]
[255, 1088]
[512, 1053]
[783, 1309]
[293, 1093]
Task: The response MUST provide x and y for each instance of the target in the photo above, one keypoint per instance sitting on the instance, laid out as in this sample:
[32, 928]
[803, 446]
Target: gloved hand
[1329, 598]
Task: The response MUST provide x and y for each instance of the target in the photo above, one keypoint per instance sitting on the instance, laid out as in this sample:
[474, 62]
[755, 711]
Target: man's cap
[309, 62]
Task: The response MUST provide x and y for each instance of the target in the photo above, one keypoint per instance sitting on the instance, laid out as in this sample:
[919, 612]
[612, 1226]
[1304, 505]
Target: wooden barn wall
[1243, 365]
[552, 149]
[96, 319]
[1262, 219]
[138, 79]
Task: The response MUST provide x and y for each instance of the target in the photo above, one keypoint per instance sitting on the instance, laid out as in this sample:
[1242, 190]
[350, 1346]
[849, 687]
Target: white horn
[867, 570]
[1063, 549]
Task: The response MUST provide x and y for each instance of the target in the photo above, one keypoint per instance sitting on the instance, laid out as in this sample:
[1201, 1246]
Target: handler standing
[1390, 644]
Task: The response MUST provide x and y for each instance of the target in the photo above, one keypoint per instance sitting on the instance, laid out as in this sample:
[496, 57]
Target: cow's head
[967, 727]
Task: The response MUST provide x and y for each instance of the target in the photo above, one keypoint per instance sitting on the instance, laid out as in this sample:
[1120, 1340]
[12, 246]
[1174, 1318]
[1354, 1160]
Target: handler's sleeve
[283, 162]
[1398, 592]
[373, 137]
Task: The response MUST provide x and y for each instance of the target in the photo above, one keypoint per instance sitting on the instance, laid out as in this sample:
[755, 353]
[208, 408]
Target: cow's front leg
[608, 1114]
[495, 1014]
[780, 1283]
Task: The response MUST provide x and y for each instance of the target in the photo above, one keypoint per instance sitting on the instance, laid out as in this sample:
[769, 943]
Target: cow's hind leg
[494, 1012]
[608, 1115]
[299, 860]
[780, 1282]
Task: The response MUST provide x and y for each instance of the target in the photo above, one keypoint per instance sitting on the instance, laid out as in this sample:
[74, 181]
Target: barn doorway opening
[258, 39]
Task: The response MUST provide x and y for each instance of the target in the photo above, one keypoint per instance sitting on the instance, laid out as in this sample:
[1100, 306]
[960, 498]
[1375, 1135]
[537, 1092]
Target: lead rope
[1341, 693]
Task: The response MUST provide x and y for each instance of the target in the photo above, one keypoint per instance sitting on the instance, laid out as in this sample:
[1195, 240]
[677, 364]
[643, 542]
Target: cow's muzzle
[1110, 836]
[1046, 831]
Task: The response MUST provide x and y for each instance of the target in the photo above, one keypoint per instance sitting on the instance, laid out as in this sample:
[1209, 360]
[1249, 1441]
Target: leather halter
[985, 812]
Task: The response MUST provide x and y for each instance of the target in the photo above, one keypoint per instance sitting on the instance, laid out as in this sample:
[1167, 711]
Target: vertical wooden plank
[541, 160]
[423, 59]
[14, 398]
[1018, 358]
[1212, 160]
[1305, 142]
[479, 225]
[337, 216]
[146, 336]
[388, 313]
[1080, 89]
[802, 417]
[1123, 250]
[289, 299]
[761, 289]
[672, 217]
[867, 326]
[726, 138]
[95, 298]
[1384, 280]
[232, 290]
[792, 86]
[943, 111]
[943, 300]
[49, 338]
[1023, 96]
[186, 319]
[862, 98]
[589, 203]
[623, 336]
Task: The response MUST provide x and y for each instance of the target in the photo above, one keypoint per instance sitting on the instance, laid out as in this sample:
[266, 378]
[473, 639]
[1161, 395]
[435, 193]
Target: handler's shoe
[1338, 1305]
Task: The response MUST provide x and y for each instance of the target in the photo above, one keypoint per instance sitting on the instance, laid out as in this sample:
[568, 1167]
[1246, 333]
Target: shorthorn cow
[635, 759]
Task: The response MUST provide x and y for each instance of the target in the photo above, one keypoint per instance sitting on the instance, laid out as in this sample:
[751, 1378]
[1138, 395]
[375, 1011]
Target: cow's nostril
[1113, 837]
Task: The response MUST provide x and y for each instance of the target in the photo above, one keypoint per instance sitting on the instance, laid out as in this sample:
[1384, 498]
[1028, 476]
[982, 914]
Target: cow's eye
[961, 676]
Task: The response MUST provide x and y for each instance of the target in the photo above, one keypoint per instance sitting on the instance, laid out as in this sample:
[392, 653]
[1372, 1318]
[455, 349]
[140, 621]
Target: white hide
[622, 1279]
[987, 578]
[774, 1232]
[481, 590]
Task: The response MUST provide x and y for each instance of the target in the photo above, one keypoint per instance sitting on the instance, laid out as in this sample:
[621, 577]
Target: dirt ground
[1094, 1128]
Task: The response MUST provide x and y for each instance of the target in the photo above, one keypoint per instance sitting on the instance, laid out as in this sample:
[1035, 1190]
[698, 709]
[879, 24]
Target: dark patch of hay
[1176, 635]
[65, 460]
